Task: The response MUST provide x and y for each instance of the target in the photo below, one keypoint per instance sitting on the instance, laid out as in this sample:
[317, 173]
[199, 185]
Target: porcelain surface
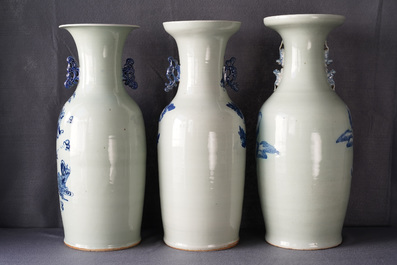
[304, 141]
[101, 150]
[201, 144]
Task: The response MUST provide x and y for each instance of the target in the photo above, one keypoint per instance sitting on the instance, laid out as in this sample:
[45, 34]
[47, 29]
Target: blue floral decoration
[243, 137]
[170, 107]
[72, 76]
[229, 75]
[263, 148]
[158, 138]
[347, 136]
[129, 74]
[236, 109]
[173, 74]
[61, 115]
[70, 119]
[62, 179]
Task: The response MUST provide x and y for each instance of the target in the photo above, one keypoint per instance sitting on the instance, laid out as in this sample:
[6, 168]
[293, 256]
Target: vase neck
[100, 48]
[201, 48]
[304, 37]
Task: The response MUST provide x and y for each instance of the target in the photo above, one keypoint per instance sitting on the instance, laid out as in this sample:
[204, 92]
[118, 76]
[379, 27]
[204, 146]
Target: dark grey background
[33, 55]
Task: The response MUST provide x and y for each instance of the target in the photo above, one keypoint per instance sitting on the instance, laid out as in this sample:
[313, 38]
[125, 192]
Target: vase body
[304, 142]
[101, 150]
[201, 144]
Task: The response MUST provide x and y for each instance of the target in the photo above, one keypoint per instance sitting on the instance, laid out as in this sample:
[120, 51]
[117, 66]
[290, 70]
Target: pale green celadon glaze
[104, 169]
[200, 152]
[304, 142]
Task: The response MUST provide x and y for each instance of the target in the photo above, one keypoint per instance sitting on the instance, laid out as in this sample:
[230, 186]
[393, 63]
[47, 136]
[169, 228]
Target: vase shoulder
[305, 102]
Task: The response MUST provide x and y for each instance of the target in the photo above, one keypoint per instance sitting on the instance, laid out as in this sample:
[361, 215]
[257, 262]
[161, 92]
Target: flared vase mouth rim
[98, 25]
[200, 21]
[281, 19]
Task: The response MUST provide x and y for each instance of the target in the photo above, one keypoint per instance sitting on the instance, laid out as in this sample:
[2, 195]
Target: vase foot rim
[102, 249]
[304, 249]
[221, 247]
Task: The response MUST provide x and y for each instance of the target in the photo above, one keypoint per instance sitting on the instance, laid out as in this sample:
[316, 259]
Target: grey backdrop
[33, 55]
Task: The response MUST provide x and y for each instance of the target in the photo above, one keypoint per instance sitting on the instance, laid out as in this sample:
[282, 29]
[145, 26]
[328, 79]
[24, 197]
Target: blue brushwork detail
[347, 136]
[72, 97]
[263, 148]
[129, 74]
[170, 107]
[229, 75]
[70, 119]
[280, 61]
[66, 145]
[158, 137]
[236, 109]
[61, 115]
[243, 137]
[72, 76]
[62, 179]
[173, 74]
[328, 61]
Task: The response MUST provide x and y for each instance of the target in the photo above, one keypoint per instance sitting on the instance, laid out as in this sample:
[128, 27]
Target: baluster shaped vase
[201, 143]
[101, 149]
[304, 140]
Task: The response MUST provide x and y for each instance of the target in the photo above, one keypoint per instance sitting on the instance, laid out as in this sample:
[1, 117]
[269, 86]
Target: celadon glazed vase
[304, 140]
[201, 141]
[101, 150]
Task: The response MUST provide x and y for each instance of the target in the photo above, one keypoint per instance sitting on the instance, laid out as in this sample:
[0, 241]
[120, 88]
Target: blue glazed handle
[173, 74]
[72, 75]
[129, 74]
[229, 74]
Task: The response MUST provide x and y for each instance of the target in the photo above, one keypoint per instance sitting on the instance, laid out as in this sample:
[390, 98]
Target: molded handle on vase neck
[129, 74]
[173, 74]
[229, 74]
[72, 76]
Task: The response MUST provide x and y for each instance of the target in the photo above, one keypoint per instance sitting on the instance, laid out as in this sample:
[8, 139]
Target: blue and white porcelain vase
[101, 150]
[304, 140]
[201, 142]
